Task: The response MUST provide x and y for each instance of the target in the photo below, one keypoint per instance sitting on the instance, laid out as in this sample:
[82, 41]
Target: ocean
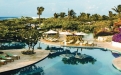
[4, 18]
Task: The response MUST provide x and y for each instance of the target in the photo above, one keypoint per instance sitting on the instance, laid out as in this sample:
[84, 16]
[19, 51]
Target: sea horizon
[12, 17]
[5, 18]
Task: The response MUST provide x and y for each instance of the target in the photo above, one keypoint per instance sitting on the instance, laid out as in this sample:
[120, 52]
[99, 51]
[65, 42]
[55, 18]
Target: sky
[18, 8]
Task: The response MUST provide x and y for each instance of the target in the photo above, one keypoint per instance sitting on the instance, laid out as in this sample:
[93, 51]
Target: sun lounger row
[7, 57]
[83, 43]
[71, 41]
[3, 62]
[51, 39]
[88, 43]
[13, 56]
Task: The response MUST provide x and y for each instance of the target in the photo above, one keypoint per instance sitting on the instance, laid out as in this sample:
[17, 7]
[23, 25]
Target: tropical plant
[117, 10]
[30, 37]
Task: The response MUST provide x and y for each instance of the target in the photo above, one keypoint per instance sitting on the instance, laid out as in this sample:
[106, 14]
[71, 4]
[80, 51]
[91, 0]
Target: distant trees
[104, 17]
[95, 17]
[62, 14]
[87, 17]
[83, 16]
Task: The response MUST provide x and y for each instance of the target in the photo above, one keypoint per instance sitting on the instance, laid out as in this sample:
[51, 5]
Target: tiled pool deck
[41, 54]
[24, 60]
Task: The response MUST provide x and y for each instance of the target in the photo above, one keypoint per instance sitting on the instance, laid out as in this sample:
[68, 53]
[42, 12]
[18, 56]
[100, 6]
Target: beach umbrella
[80, 33]
[51, 32]
[88, 39]
[65, 33]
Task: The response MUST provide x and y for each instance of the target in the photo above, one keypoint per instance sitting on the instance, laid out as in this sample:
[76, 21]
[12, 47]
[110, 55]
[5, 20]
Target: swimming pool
[72, 61]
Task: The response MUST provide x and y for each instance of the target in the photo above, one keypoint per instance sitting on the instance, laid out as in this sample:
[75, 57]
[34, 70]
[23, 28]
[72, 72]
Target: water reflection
[76, 61]
[29, 70]
[73, 58]
[115, 54]
[12, 45]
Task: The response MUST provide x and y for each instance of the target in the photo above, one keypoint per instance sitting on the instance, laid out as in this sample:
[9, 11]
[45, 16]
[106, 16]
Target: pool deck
[106, 45]
[25, 60]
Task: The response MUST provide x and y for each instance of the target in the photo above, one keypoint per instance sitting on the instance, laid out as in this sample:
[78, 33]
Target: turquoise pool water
[64, 61]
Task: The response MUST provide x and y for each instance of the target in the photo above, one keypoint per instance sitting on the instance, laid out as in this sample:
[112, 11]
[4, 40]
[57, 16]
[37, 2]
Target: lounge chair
[13, 56]
[54, 40]
[8, 59]
[70, 41]
[90, 43]
[84, 43]
[77, 42]
[3, 62]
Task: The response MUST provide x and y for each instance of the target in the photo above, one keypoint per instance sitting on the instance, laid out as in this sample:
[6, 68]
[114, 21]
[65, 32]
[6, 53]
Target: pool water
[64, 61]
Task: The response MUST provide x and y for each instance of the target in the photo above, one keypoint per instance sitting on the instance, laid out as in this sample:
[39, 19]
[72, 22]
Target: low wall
[116, 44]
[104, 38]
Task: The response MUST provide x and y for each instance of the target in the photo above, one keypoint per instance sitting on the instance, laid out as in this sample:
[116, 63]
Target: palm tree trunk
[29, 47]
[81, 50]
[33, 49]
[119, 15]
[39, 19]
[39, 45]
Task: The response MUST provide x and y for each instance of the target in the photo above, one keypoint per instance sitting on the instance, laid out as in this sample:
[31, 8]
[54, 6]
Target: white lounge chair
[77, 42]
[84, 43]
[90, 43]
[3, 62]
[54, 39]
[70, 41]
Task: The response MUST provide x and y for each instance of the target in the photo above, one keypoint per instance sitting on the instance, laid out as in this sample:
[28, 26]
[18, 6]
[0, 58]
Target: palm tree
[56, 15]
[117, 10]
[88, 16]
[110, 15]
[71, 13]
[39, 12]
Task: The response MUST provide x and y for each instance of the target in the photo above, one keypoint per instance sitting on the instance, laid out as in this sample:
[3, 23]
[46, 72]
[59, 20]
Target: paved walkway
[24, 60]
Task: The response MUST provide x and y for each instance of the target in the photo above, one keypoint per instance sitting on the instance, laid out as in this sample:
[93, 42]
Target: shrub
[117, 36]
[104, 33]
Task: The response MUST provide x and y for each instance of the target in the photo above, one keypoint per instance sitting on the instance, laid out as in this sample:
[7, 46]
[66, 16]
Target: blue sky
[29, 7]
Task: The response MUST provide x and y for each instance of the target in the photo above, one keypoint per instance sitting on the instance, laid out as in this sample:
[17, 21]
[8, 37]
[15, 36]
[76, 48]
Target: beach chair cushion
[13, 56]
